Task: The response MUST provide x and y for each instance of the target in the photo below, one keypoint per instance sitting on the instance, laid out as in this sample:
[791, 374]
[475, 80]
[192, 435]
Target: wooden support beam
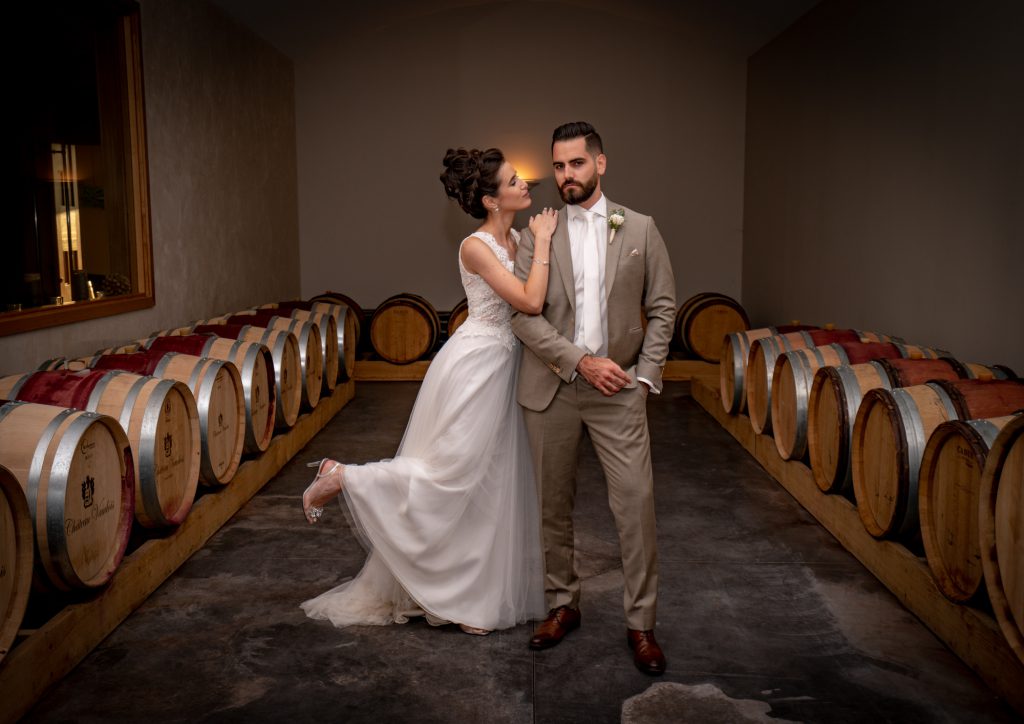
[380, 371]
[50, 652]
[681, 370]
[971, 634]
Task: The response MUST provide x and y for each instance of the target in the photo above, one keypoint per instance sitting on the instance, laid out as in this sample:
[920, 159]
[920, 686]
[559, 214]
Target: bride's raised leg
[329, 480]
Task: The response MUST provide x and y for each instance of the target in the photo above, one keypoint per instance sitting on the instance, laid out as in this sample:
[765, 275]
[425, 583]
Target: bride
[451, 522]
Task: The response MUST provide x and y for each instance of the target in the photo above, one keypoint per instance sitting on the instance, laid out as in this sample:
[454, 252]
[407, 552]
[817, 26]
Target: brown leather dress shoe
[559, 622]
[647, 655]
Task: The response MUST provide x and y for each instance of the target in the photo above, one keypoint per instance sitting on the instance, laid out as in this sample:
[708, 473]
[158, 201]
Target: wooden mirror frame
[136, 194]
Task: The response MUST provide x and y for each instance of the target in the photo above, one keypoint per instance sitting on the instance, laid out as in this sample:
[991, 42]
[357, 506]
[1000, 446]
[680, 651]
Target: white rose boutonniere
[615, 221]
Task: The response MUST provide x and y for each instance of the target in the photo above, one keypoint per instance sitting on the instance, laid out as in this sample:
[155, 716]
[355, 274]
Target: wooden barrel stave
[459, 314]
[733, 366]
[347, 326]
[404, 328]
[159, 417]
[333, 352]
[77, 472]
[16, 558]
[327, 336]
[948, 496]
[1001, 531]
[704, 320]
[255, 365]
[337, 298]
[217, 388]
[794, 379]
[836, 396]
[310, 345]
[890, 435]
[285, 355]
[761, 366]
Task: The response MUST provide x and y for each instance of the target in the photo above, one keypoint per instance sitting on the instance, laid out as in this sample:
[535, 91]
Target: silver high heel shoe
[313, 513]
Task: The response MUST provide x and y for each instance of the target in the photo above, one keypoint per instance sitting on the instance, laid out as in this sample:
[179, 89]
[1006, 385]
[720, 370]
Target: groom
[589, 364]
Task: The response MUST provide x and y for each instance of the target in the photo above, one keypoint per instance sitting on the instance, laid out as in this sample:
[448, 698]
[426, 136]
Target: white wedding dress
[450, 523]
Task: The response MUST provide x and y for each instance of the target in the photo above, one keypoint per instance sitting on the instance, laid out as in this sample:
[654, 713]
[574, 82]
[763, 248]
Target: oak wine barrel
[327, 330]
[347, 329]
[733, 363]
[358, 315]
[948, 498]
[836, 395]
[217, 387]
[310, 349]
[255, 365]
[284, 352]
[16, 558]
[404, 328]
[1001, 531]
[891, 431]
[459, 314]
[761, 365]
[161, 421]
[794, 377]
[78, 475]
[703, 320]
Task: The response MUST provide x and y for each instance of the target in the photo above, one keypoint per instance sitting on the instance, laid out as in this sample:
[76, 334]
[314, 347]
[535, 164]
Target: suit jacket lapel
[561, 250]
[614, 251]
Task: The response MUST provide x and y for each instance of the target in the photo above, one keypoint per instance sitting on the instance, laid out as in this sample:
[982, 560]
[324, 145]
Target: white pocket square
[635, 252]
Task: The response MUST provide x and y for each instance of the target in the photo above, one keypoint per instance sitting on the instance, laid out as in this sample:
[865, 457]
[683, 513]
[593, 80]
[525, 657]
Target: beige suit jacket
[638, 277]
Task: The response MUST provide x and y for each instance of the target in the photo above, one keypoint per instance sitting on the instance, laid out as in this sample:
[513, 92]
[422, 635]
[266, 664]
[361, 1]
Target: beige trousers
[617, 426]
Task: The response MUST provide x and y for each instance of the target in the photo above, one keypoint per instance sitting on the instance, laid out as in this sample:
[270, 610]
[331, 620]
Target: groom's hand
[603, 374]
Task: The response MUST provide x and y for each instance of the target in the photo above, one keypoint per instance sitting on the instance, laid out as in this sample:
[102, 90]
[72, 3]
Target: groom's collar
[600, 208]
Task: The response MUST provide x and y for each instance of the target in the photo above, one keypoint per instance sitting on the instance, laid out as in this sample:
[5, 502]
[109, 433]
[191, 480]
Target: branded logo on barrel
[88, 490]
[167, 445]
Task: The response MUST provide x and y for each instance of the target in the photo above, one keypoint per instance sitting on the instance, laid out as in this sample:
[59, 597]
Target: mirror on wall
[81, 245]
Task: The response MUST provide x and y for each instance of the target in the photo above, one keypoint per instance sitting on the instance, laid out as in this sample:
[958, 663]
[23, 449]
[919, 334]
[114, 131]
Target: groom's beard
[577, 194]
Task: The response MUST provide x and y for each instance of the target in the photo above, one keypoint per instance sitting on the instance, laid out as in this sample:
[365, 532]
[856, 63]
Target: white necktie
[593, 335]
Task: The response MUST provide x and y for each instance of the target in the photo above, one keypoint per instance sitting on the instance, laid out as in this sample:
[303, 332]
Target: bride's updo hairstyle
[470, 175]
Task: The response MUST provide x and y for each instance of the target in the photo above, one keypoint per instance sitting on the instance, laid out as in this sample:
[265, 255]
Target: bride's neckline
[512, 235]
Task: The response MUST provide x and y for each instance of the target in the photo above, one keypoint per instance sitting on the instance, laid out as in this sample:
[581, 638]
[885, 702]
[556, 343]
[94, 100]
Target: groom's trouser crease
[618, 429]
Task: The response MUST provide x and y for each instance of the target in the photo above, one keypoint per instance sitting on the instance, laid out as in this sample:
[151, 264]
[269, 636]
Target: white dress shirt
[579, 246]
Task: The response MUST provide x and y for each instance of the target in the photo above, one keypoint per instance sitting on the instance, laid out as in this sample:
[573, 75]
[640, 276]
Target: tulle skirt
[451, 522]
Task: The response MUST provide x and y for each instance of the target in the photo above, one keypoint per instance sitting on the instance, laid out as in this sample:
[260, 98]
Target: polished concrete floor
[763, 616]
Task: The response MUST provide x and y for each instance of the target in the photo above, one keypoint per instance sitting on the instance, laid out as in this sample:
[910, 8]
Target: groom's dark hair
[579, 129]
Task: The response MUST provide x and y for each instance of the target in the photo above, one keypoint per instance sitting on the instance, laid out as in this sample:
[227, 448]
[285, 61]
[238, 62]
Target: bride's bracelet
[542, 263]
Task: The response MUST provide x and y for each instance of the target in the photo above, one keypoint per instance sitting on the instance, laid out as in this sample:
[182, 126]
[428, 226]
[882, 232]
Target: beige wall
[885, 174]
[221, 127]
[379, 97]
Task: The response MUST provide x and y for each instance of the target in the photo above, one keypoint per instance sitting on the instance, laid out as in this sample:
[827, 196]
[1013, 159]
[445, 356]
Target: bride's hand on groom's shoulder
[542, 226]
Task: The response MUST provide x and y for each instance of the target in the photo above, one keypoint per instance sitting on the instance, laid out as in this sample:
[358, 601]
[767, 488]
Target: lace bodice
[489, 314]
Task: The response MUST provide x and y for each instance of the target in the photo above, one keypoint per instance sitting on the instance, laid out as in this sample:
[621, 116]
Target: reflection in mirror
[82, 247]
